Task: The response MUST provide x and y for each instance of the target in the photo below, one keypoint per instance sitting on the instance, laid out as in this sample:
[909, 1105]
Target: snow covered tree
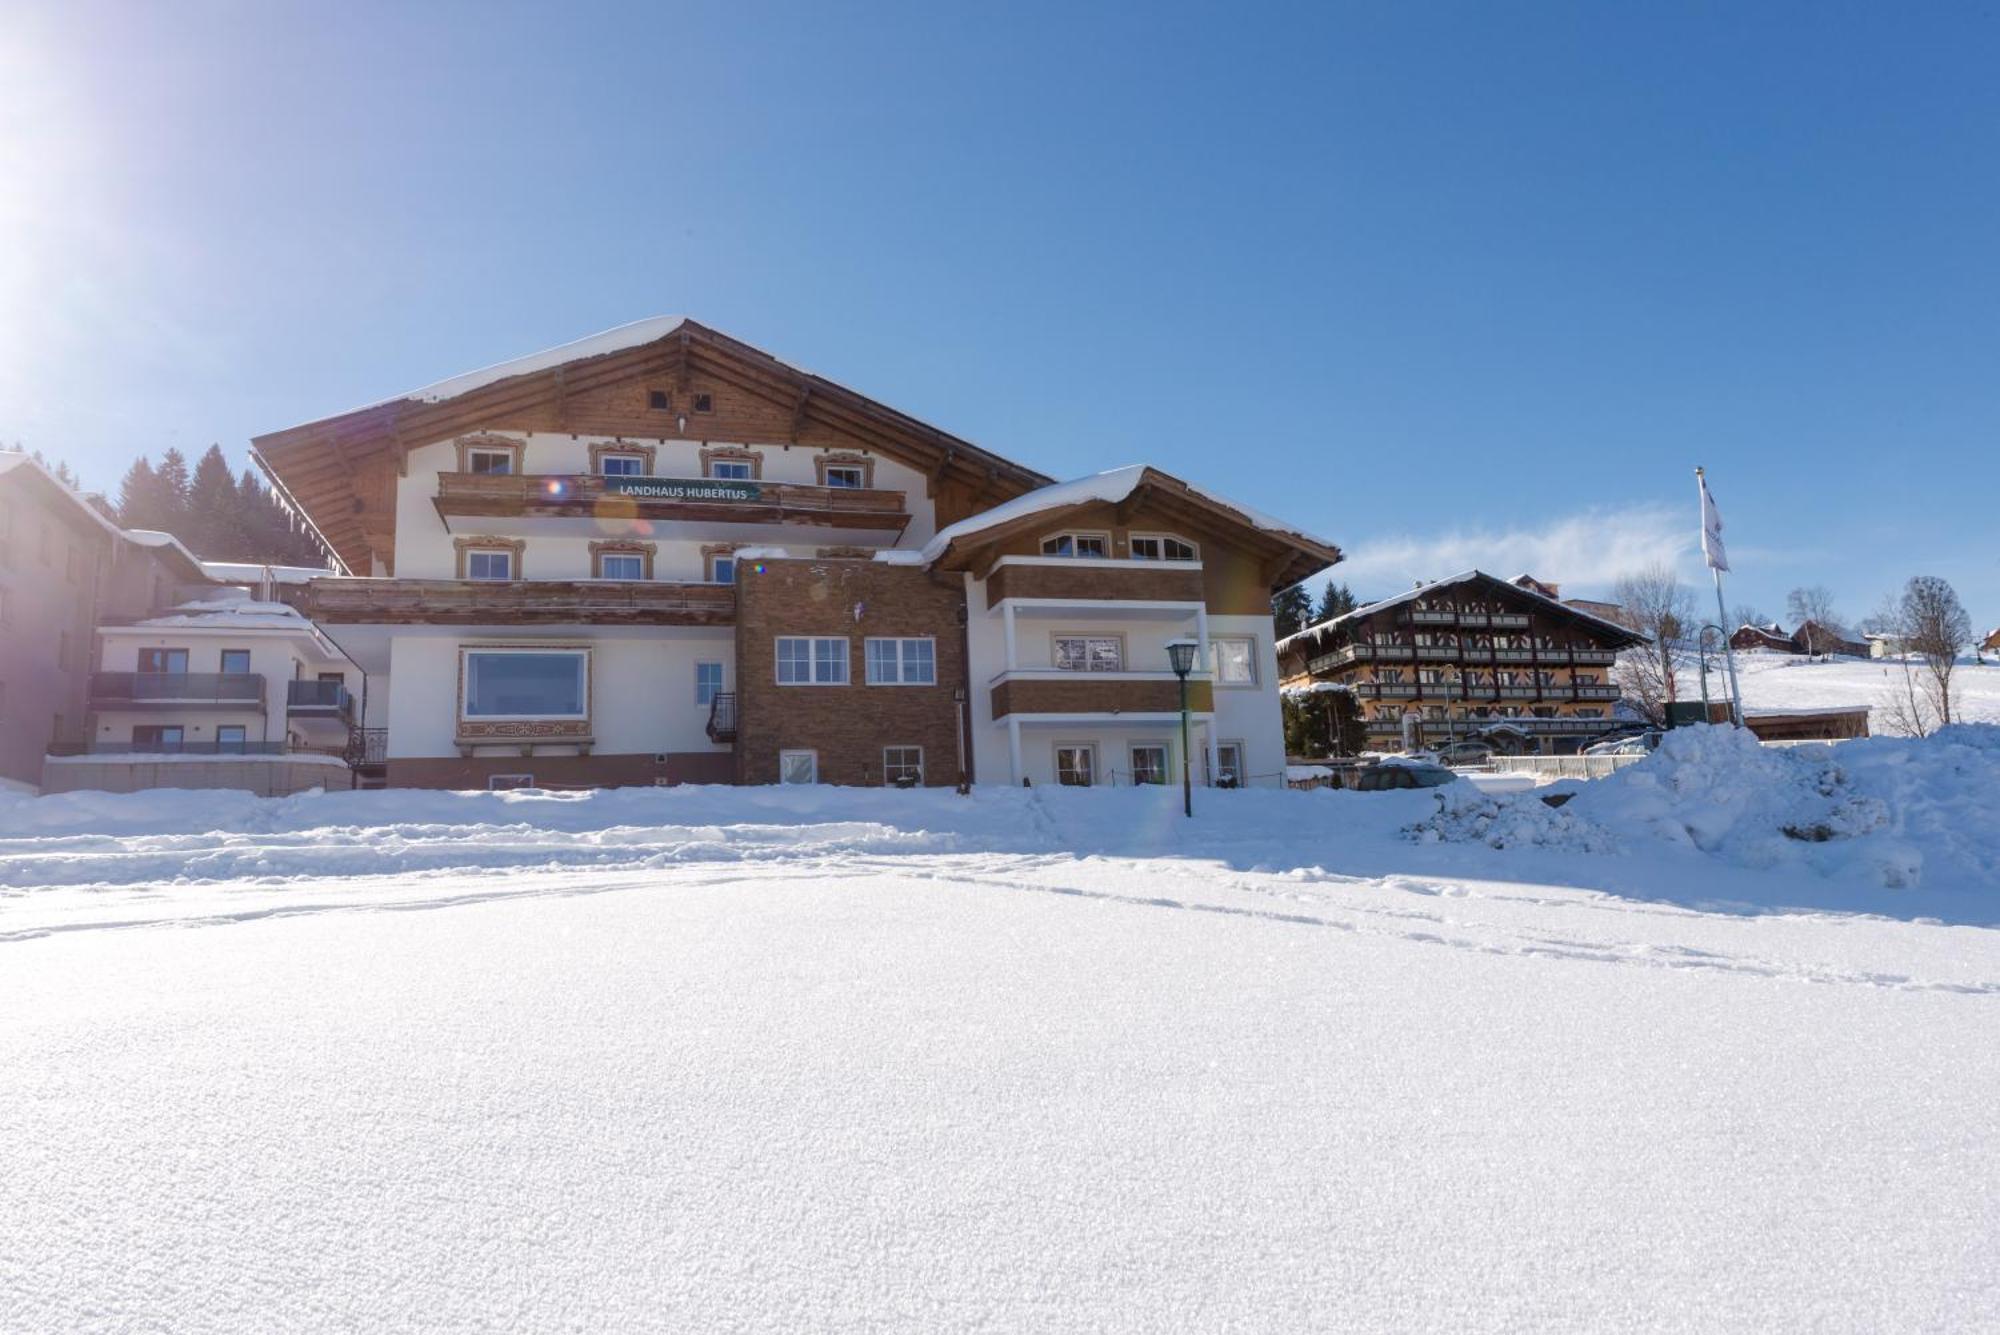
[1290, 608]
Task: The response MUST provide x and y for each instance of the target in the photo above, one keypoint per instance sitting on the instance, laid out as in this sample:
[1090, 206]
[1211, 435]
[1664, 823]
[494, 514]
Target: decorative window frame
[711, 454]
[525, 730]
[517, 547]
[710, 551]
[622, 547]
[845, 459]
[1163, 539]
[598, 449]
[488, 441]
[1110, 545]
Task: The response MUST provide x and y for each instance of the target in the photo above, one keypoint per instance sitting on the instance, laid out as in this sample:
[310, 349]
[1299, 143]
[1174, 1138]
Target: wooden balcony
[1081, 580]
[693, 500]
[1107, 693]
[470, 602]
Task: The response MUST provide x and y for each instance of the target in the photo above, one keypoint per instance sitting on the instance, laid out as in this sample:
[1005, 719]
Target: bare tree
[1935, 628]
[1746, 614]
[1812, 608]
[1660, 607]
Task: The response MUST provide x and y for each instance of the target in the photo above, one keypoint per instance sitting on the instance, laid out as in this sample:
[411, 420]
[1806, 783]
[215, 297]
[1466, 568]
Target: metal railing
[1564, 767]
[722, 717]
[329, 697]
[110, 690]
[207, 748]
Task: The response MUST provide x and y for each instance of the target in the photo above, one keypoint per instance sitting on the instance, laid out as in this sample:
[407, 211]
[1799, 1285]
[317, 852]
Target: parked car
[1464, 753]
[1399, 772]
[1630, 744]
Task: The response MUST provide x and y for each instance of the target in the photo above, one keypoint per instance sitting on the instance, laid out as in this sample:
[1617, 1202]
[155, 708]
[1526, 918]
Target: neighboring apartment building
[223, 692]
[63, 566]
[660, 555]
[1603, 611]
[1473, 656]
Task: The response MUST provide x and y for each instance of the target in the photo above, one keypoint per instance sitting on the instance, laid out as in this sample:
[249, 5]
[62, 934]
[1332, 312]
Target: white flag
[1711, 528]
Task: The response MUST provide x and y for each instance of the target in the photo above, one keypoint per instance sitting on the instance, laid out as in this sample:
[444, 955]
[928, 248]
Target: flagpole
[1722, 620]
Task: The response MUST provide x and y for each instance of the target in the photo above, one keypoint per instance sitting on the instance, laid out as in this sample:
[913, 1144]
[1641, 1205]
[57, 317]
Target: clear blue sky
[1446, 283]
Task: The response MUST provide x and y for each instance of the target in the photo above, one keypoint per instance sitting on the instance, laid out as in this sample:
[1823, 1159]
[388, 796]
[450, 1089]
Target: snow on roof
[595, 345]
[251, 572]
[1108, 487]
[231, 614]
[1368, 609]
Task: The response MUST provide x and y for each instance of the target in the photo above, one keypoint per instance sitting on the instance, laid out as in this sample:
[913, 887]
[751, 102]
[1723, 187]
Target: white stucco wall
[642, 684]
[1248, 715]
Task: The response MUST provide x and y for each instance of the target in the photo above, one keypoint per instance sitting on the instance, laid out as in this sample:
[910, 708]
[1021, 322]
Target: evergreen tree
[216, 525]
[1289, 609]
[1337, 600]
[142, 498]
[174, 485]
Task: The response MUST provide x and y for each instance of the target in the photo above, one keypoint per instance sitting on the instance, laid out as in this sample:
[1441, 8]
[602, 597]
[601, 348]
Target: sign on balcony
[683, 488]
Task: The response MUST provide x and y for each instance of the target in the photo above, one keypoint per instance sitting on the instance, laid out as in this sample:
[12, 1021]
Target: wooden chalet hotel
[659, 555]
[1472, 656]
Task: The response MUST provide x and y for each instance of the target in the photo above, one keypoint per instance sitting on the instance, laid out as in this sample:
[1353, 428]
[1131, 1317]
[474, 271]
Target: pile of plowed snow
[1881, 811]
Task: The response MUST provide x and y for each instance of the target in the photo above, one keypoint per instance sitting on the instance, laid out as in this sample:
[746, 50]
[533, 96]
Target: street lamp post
[1181, 654]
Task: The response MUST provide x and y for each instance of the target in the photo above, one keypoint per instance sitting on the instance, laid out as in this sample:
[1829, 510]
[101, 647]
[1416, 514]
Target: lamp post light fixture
[1181, 656]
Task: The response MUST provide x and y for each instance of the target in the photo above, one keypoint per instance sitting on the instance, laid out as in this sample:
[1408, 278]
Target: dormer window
[1162, 547]
[1089, 545]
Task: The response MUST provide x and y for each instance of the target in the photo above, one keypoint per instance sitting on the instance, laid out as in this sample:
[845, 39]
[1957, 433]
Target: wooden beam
[799, 413]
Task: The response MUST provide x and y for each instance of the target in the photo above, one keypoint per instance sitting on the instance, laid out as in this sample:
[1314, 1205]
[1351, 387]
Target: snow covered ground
[728, 1059]
[1788, 681]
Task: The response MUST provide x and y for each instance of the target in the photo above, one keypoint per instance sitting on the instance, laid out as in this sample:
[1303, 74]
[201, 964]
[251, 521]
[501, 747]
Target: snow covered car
[1400, 773]
[1631, 744]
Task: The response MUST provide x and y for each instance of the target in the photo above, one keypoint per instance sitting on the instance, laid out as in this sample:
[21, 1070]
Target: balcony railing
[322, 699]
[730, 500]
[1431, 616]
[1598, 692]
[460, 602]
[207, 748]
[144, 690]
[1509, 618]
[1438, 652]
[1603, 657]
[722, 717]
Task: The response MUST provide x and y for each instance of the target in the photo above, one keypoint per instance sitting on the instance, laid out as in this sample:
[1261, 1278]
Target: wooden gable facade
[691, 384]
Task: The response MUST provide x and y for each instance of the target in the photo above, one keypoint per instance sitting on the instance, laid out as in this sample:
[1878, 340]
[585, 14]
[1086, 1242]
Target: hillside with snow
[1789, 681]
[825, 1059]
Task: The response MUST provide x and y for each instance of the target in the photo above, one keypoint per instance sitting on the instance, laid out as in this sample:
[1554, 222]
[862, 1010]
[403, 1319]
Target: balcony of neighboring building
[472, 602]
[1048, 691]
[176, 690]
[744, 509]
[320, 700]
[1059, 582]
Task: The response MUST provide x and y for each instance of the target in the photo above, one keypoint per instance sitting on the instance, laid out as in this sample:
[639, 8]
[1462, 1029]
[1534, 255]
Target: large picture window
[526, 683]
[804, 661]
[910, 662]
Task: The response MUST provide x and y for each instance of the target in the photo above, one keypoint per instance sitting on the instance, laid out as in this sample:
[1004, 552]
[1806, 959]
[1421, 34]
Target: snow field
[780, 1059]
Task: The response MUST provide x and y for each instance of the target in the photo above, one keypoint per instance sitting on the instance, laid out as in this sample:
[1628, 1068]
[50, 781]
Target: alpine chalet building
[660, 555]
[1470, 657]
